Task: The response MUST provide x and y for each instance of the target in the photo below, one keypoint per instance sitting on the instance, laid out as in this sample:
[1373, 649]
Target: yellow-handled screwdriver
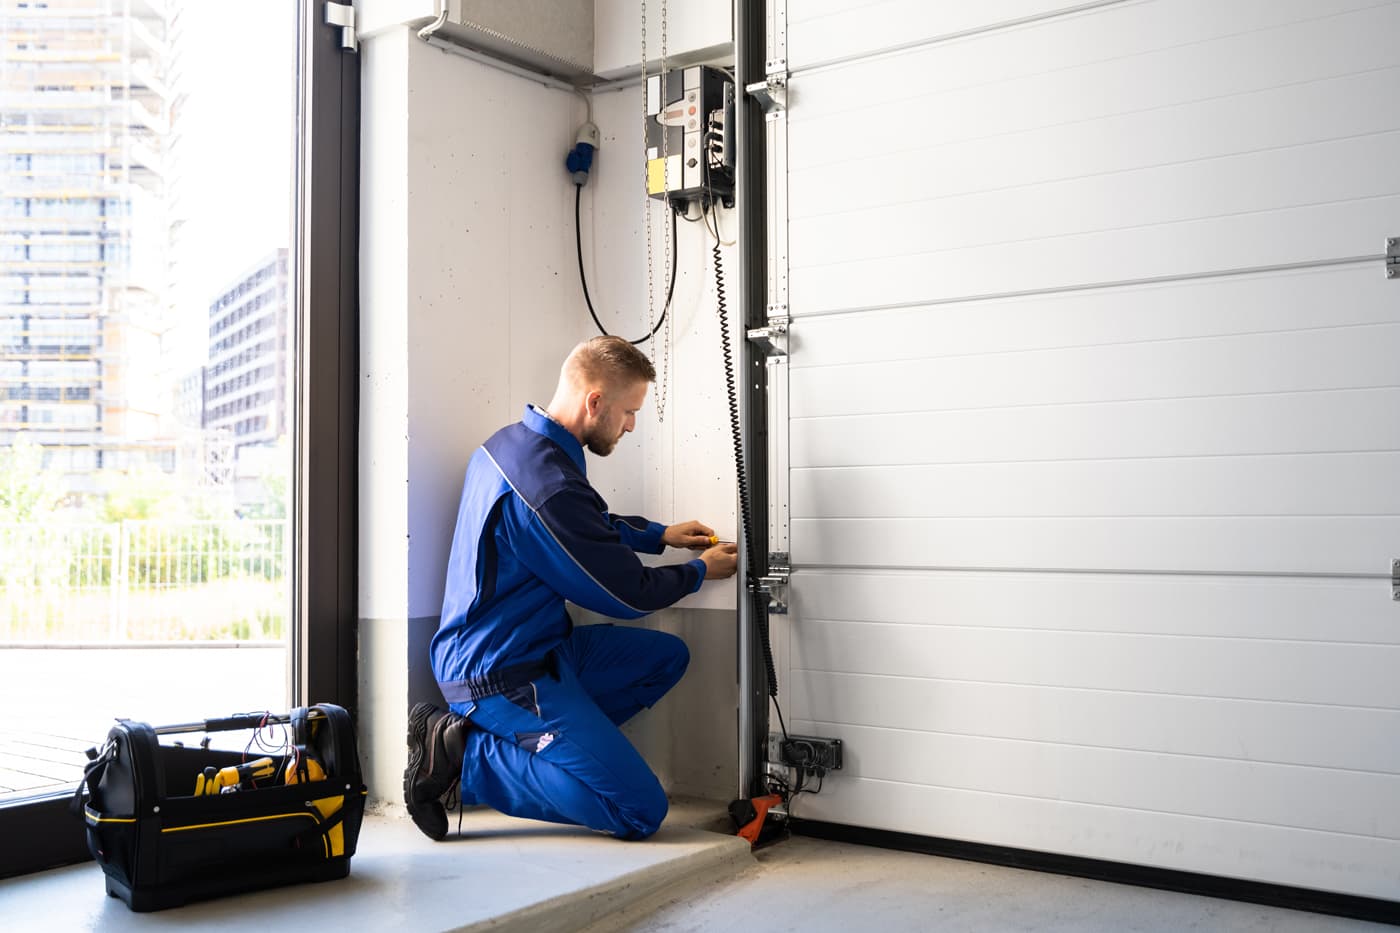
[226, 780]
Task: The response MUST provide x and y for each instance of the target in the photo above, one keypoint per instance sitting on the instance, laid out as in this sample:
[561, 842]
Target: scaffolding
[85, 115]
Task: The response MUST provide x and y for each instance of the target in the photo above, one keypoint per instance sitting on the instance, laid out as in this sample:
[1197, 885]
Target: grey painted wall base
[394, 674]
[422, 686]
[691, 737]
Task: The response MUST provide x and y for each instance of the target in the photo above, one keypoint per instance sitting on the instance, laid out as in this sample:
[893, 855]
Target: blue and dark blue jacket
[532, 533]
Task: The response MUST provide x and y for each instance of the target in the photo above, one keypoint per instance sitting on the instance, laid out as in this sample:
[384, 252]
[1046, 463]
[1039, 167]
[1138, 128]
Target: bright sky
[237, 152]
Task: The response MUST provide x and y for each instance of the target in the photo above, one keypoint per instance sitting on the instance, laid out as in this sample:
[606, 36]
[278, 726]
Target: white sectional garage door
[1095, 427]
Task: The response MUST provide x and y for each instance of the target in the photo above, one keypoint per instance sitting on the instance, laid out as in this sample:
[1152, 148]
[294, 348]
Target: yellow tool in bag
[305, 768]
[235, 777]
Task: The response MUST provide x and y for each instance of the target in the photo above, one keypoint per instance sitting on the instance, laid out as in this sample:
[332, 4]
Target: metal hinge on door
[1392, 257]
[771, 92]
[343, 16]
[774, 583]
[773, 339]
[1395, 579]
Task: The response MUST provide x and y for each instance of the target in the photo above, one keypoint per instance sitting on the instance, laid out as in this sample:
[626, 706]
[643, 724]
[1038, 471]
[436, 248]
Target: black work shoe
[436, 742]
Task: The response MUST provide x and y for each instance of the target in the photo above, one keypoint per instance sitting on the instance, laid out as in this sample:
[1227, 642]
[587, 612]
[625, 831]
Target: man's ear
[593, 402]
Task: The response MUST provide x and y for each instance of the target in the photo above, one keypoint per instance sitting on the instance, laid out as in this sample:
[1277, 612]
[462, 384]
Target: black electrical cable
[583, 279]
[803, 789]
[746, 511]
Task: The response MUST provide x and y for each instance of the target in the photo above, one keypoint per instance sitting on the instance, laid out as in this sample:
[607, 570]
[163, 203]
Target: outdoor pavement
[59, 700]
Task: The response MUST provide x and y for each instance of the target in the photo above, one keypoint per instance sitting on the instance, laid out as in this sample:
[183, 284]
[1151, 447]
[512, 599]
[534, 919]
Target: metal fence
[143, 581]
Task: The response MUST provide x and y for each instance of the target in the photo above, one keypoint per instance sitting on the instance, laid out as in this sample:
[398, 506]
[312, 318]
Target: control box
[690, 136]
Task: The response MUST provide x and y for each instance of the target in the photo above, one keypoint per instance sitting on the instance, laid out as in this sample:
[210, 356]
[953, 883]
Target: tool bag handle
[92, 774]
[233, 723]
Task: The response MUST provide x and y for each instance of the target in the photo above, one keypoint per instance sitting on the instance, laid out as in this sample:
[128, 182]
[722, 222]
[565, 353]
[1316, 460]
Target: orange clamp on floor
[759, 807]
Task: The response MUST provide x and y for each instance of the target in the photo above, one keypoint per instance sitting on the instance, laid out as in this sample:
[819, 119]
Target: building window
[88, 261]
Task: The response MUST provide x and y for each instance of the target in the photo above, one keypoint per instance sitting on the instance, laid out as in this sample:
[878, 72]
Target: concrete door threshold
[501, 874]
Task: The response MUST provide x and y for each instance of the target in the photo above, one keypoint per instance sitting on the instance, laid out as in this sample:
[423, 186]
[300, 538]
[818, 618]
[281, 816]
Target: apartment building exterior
[246, 380]
[85, 113]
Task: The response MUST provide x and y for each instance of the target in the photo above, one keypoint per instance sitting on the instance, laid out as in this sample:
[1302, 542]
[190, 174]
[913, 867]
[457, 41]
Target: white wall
[676, 465]
[466, 309]
[696, 30]
[383, 467]
[469, 302]
[680, 466]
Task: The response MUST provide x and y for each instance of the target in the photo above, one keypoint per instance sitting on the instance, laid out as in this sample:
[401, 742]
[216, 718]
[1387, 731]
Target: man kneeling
[535, 703]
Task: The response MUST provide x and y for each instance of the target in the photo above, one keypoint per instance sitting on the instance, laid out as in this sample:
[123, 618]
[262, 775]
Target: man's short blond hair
[609, 360]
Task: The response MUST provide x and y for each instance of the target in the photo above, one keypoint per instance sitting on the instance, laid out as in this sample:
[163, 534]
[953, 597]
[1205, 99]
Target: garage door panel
[1317, 234]
[1175, 197]
[1093, 415]
[1242, 127]
[1364, 865]
[1134, 58]
[1301, 422]
[1170, 545]
[1298, 299]
[1299, 176]
[1283, 608]
[1292, 362]
[1242, 730]
[1247, 669]
[823, 29]
[1254, 792]
[1343, 484]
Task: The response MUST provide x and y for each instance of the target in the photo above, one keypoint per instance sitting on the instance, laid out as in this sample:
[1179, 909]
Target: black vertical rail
[750, 41]
[327, 411]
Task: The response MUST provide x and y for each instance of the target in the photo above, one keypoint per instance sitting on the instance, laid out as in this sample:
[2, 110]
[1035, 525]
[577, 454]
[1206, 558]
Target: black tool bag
[165, 835]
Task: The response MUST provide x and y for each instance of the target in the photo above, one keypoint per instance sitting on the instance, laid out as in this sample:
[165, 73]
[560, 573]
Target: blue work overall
[545, 698]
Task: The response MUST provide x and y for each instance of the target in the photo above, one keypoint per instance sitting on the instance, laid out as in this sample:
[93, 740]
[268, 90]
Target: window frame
[325, 336]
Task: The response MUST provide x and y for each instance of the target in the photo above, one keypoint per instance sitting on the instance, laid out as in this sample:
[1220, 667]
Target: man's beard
[599, 444]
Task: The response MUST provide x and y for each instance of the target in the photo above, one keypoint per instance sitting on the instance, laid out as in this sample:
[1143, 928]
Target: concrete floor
[502, 874]
[508, 875]
[814, 885]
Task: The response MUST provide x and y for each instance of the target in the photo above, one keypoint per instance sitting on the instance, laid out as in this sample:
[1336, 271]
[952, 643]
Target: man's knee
[667, 659]
[676, 658]
[642, 816]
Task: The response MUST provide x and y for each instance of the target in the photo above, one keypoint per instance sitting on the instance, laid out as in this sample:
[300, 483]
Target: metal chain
[664, 379]
[646, 189]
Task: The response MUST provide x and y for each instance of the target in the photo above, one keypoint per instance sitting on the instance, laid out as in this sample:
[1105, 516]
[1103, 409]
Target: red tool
[751, 815]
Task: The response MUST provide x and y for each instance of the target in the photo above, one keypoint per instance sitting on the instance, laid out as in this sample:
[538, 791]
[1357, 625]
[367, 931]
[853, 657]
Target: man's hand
[693, 535]
[721, 561]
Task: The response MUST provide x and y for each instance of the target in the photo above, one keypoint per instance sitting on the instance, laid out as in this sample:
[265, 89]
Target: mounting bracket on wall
[1392, 257]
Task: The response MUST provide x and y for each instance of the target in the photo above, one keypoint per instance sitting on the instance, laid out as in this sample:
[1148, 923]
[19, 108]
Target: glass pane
[146, 208]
